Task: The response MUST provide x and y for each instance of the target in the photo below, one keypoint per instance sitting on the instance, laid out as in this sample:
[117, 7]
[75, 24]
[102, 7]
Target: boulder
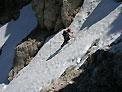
[23, 54]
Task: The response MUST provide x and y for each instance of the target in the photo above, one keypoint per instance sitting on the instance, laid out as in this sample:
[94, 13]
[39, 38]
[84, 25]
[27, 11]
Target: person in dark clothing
[67, 35]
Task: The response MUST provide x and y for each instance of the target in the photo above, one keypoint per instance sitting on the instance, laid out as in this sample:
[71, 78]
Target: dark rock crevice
[118, 1]
[102, 73]
[10, 9]
[56, 14]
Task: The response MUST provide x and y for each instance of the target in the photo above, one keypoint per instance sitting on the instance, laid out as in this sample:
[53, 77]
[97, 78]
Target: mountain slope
[11, 34]
[51, 61]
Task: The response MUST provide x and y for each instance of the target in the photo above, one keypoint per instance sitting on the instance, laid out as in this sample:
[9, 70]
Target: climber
[67, 35]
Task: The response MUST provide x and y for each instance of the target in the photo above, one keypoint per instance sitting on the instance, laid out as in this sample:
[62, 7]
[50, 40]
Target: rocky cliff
[52, 16]
[56, 14]
[25, 51]
[101, 72]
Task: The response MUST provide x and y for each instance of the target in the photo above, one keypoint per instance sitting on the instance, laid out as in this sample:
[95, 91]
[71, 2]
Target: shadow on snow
[101, 11]
[116, 25]
[53, 55]
[16, 30]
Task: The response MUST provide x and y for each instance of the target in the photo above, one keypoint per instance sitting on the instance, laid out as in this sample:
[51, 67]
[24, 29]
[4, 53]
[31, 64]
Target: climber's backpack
[65, 34]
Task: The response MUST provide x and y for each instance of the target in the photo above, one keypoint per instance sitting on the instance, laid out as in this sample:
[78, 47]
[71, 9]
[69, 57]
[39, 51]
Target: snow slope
[51, 61]
[11, 34]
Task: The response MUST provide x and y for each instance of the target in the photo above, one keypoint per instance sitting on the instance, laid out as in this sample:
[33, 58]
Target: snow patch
[41, 72]
[11, 34]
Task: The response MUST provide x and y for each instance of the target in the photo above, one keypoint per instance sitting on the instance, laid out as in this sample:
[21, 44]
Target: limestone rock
[69, 9]
[55, 14]
[52, 15]
[23, 54]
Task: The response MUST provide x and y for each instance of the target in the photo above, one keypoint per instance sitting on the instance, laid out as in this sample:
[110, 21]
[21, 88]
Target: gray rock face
[52, 16]
[102, 72]
[10, 9]
[55, 14]
[69, 10]
[26, 50]
[23, 54]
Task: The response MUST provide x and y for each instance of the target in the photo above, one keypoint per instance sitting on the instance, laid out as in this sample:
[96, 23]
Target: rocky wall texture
[52, 15]
[25, 51]
[101, 72]
[10, 9]
[56, 14]
[23, 54]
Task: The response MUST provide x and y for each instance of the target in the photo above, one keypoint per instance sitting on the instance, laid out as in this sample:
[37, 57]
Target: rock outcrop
[101, 72]
[10, 9]
[56, 14]
[25, 51]
[52, 16]
[23, 54]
